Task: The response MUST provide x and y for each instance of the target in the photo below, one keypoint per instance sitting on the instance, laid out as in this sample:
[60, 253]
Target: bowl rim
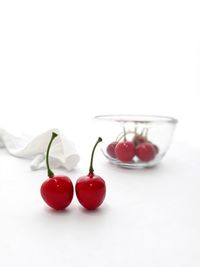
[137, 118]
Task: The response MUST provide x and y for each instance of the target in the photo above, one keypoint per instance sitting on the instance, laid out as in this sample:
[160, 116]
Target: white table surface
[149, 218]
[62, 63]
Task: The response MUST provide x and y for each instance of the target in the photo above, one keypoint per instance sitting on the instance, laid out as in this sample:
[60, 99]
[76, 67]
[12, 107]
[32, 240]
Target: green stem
[124, 131]
[91, 170]
[50, 173]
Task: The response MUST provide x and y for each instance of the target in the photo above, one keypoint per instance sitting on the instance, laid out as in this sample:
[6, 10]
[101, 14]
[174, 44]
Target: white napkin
[62, 153]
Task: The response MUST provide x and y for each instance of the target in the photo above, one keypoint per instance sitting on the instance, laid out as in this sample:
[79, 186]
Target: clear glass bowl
[135, 141]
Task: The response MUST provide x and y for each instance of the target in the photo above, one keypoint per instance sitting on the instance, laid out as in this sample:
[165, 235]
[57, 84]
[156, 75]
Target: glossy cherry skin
[90, 191]
[125, 151]
[111, 149]
[146, 152]
[155, 146]
[57, 192]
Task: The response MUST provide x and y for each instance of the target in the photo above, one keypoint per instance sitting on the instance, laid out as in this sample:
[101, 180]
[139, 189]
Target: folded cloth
[62, 154]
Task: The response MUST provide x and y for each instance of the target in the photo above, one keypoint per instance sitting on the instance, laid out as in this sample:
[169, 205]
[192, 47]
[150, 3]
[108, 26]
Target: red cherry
[111, 149]
[146, 152]
[155, 146]
[125, 151]
[91, 189]
[57, 191]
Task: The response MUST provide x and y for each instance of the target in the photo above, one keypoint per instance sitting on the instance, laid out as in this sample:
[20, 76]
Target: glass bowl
[135, 141]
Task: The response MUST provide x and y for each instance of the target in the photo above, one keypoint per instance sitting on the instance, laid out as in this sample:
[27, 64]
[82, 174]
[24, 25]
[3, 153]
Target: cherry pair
[58, 191]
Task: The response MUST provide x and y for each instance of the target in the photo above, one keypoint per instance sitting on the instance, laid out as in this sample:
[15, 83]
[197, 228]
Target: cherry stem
[50, 173]
[124, 131]
[146, 132]
[143, 131]
[121, 135]
[91, 170]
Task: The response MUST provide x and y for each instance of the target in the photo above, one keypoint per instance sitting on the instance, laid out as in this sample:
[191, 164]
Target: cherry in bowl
[135, 141]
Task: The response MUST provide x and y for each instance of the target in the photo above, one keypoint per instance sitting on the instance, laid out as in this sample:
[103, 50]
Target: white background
[63, 62]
